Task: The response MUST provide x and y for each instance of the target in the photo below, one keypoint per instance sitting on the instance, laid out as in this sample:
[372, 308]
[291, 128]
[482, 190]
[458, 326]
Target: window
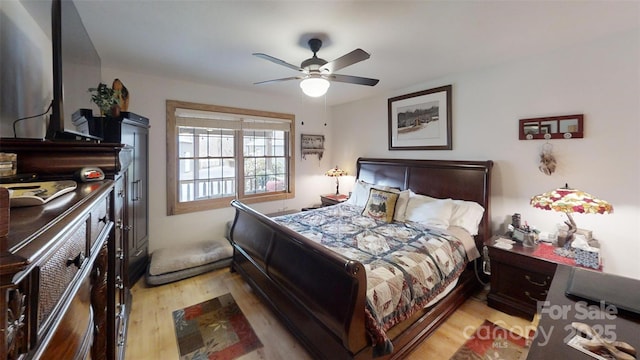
[216, 154]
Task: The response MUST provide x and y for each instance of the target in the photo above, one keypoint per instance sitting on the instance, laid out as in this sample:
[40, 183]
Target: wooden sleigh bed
[320, 295]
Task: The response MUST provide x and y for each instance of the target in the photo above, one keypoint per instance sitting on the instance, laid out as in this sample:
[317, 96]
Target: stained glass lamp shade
[570, 201]
[336, 173]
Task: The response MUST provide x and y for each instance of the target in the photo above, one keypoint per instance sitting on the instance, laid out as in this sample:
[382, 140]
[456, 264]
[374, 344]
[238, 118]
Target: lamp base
[572, 230]
[563, 239]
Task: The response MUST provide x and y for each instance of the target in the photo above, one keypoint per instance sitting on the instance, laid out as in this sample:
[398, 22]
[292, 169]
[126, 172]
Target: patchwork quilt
[407, 264]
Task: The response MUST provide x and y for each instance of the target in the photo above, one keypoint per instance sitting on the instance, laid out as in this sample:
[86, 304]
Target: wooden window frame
[175, 207]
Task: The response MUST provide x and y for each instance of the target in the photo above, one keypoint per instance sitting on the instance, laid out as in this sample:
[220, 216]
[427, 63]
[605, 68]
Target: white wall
[26, 74]
[148, 95]
[600, 80]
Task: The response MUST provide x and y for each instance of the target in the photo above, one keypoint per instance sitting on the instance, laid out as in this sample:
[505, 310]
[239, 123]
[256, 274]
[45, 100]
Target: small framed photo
[421, 120]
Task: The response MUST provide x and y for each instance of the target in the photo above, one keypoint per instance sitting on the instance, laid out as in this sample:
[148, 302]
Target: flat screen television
[76, 68]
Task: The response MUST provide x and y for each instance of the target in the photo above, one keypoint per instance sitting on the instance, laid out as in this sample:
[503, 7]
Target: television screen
[80, 63]
[76, 68]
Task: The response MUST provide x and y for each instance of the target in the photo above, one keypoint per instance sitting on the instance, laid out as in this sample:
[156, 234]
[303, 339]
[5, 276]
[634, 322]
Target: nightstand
[332, 199]
[519, 279]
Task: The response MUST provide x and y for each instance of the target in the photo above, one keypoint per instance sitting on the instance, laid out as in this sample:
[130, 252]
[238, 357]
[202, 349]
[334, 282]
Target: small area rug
[214, 329]
[491, 341]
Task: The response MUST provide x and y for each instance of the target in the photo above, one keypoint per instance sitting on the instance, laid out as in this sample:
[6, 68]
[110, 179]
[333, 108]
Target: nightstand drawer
[522, 285]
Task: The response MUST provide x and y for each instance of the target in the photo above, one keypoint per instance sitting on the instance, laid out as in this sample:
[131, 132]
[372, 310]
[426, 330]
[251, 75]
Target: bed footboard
[318, 294]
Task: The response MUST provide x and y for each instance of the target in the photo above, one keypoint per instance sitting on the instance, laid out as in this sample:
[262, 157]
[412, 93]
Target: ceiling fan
[317, 72]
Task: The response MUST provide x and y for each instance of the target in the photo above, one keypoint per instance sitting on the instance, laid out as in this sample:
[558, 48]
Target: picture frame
[421, 120]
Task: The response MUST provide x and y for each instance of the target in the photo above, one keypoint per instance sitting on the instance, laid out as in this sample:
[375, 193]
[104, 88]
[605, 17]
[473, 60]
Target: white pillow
[467, 215]
[360, 192]
[412, 194]
[429, 211]
[357, 189]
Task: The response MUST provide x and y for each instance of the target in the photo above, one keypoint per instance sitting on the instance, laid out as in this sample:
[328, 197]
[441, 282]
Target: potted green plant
[107, 99]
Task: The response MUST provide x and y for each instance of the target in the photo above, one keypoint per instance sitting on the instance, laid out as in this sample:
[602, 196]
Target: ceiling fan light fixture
[314, 86]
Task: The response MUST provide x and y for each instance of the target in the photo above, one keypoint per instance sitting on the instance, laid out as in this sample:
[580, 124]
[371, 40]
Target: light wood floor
[151, 333]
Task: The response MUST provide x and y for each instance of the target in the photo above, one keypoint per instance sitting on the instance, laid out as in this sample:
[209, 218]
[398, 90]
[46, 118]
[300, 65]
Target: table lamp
[336, 173]
[570, 201]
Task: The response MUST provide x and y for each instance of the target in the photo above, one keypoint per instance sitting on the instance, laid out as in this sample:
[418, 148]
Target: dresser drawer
[60, 268]
[74, 333]
[99, 218]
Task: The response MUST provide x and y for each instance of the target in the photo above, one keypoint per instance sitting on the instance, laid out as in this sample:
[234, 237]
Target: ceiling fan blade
[278, 61]
[352, 79]
[351, 58]
[278, 80]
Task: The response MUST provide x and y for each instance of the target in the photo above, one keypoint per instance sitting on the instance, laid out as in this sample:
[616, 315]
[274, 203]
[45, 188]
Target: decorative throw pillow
[380, 205]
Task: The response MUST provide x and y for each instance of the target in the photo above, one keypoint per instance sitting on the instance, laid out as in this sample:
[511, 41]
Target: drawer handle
[527, 294]
[119, 254]
[119, 283]
[77, 261]
[534, 282]
[104, 219]
[136, 190]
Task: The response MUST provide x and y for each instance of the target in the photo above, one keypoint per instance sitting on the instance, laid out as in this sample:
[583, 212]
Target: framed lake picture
[421, 120]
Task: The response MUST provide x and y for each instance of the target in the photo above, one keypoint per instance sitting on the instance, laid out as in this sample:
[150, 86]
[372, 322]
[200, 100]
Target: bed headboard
[456, 179]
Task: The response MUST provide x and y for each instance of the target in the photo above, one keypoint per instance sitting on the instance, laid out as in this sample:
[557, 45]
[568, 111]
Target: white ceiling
[410, 42]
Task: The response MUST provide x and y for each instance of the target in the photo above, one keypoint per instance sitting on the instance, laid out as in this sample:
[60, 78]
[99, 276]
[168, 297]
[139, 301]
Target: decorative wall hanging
[421, 120]
[547, 159]
[123, 94]
[312, 144]
[555, 127]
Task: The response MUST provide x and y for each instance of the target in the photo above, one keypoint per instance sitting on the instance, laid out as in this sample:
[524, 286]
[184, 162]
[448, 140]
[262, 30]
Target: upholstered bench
[186, 260]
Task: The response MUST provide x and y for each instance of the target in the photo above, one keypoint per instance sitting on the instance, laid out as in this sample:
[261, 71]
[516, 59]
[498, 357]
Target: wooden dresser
[63, 265]
[54, 277]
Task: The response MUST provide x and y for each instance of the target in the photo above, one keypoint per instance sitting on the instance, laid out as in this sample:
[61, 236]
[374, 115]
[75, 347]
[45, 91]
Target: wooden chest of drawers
[519, 280]
[54, 277]
[32, 278]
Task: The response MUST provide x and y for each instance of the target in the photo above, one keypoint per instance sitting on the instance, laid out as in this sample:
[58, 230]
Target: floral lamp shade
[569, 201]
[336, 173]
